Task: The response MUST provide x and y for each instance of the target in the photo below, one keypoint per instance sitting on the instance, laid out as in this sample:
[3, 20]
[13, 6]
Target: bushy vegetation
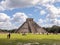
[51, 39]
[53, 29]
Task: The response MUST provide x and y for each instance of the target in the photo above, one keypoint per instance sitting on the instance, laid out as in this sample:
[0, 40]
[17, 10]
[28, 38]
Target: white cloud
[53, 14]
[19, 17]
[50, 16]
[48, 22]
[11, 23]
[42, 12]
[18, 3]
[53, 10]
[44, 2]
[4, 17]
[11, 4]
[56, 22]
[5, 22]
[40, 21]
[49, 4]
[57, 0]
[7, 25]
[1, 8]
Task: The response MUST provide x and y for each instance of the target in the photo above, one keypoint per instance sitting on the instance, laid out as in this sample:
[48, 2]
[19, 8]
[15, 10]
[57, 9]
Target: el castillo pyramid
[29, 26]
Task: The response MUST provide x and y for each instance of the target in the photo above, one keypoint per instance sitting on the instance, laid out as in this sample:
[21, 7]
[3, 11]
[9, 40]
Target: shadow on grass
[26, 41]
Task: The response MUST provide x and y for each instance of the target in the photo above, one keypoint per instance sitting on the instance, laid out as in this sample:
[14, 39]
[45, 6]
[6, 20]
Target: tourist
[8, 36]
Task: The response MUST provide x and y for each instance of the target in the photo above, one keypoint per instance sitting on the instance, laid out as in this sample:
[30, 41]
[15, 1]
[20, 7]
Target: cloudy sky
[14, 12]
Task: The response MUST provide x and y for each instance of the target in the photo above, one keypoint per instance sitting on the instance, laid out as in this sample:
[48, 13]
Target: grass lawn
[18, 39]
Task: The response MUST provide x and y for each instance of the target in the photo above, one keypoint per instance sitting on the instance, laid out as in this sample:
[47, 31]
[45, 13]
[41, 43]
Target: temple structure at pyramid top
[29, 26]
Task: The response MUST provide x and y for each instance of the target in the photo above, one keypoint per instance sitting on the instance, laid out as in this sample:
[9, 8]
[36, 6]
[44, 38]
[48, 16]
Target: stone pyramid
[30, 27]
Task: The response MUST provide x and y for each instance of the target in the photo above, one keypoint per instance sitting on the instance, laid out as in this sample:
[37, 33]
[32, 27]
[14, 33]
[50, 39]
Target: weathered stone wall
[30, 27]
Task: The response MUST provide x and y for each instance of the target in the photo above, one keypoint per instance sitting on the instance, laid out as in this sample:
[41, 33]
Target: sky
[13, 13]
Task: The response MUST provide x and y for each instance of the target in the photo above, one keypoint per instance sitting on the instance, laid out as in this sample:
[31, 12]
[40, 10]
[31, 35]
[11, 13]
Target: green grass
[51, 39]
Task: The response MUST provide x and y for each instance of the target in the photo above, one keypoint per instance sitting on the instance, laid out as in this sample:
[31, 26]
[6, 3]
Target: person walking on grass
[8, 36]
